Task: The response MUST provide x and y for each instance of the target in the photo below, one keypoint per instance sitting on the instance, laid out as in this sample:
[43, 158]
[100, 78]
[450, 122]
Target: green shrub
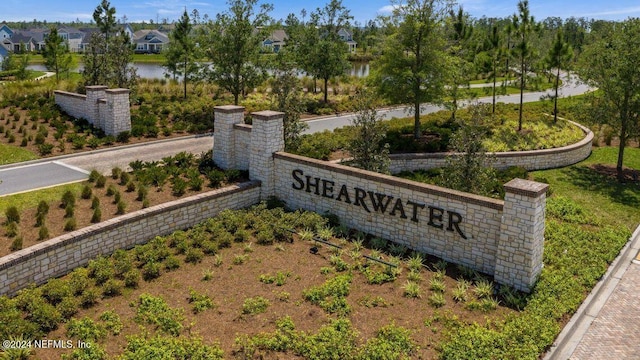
[69, 211]
[86, 329]
[123, 137]
[79, 281]
[70, 224]
[132, 278]
[139, 347]
[43, 149]
[215, 178]
[43, 233]
[112, 287]
[101, 269]
[67, 198]
[111, 190]
[101, 181]
[437, 300]
[178, 186]
[97, 215]
[12, 214]
[411, 290]
[194, 255]
[142, 193]
[150, 271]
[155, 311]
[112, 322]
[131, 186]
[11, 230]
[199, 302]
[121, 207]
[86, 192]
[55, 290]
[68, 307]
[255, 305]
[89, 297]
[94, 175]
[171, 263]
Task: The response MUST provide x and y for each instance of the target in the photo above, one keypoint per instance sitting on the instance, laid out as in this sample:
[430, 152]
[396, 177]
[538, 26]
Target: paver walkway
[615, 332]
[607, 324]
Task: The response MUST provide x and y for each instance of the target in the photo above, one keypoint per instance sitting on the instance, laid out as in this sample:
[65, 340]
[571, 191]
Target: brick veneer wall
[530, 160]
[60, 255]
[107, 109]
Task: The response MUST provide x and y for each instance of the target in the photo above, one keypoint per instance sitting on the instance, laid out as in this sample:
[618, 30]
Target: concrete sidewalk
[607, 324]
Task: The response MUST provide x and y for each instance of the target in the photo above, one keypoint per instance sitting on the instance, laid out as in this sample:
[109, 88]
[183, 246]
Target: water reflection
[155, 71]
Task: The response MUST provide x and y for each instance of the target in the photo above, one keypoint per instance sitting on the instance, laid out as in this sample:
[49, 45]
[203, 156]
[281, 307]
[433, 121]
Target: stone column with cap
[267, 137]
[91, 110]
[521, 243]
[118, 115]
[224, 145]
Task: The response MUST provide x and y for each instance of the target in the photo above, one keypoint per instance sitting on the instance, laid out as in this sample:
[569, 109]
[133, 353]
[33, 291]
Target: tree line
[426, 51]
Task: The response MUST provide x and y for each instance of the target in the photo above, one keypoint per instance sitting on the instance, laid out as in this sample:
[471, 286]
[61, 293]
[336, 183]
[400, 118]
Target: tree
[459, 64]
[105, 17]
[286, 96]
[412, 67]
[329, 55]
[56, 53]
[108, 59]
[233, 46]
[496, 53]
[610, 64]
[180, 57]
[368, 149]
[524, 26]
[558, 57]
[469, 168]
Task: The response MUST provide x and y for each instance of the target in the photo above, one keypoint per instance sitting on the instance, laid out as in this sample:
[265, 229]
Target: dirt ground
[231, 284]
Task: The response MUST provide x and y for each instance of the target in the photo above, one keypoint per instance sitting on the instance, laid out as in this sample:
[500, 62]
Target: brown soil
[628, 175]
[61, 147]
[55, 220]
[232, 284]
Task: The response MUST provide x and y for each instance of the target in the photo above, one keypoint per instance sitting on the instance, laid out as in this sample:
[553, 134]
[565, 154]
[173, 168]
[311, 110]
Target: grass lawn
[605, 197]
[12, 154]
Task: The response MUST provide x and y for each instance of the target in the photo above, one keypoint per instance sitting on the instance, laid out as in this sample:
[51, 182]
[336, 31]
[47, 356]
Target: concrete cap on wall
[117, 91]
[267, 115]
[95, 87]
[526, 187]
[228, 109]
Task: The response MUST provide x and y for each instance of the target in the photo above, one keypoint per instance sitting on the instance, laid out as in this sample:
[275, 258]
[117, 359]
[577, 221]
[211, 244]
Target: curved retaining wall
[530, 160]
[60, 255]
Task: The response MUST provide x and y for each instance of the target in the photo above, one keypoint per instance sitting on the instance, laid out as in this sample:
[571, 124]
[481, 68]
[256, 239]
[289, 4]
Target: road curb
[569, 338]
[99, 151]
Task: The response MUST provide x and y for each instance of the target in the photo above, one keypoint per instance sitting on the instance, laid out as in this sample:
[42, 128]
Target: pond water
[155, 71]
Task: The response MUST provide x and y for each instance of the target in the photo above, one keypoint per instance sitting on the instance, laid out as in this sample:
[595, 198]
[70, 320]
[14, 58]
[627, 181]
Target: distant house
[4, 53]
[5, 32]
[149, 41]
[276, 40]
[347, 37]
[24, 41]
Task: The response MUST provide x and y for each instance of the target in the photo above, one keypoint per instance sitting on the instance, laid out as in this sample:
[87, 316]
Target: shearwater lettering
[375, 202]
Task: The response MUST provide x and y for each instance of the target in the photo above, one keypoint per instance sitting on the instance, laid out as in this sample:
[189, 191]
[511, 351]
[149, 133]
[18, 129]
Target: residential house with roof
[5, 32]
[150, 41]
[347, 37]
[275, 41]
[4, 53]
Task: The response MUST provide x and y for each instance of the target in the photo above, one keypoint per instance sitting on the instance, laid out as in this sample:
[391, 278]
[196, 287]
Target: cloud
[625, 11]
[387, 9]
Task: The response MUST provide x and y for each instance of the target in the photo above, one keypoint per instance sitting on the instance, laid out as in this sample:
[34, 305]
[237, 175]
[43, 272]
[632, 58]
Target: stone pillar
[224, 144]
[267, 137]
[118, 115]
[91, 106]
[519, 253]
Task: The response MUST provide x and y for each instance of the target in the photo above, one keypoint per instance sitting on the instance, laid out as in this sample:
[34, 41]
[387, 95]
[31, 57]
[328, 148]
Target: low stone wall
[500, 238]
[58, 256]
[530, 160]
[71, 103]
[107, 109]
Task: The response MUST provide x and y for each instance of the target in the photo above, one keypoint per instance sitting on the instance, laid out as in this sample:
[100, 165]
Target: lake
[155, 71]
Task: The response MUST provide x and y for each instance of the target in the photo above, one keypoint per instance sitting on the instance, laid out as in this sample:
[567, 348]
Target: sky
[361, 10]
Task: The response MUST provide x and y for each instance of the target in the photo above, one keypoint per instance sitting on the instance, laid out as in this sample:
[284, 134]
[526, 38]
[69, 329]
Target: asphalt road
[69, 168]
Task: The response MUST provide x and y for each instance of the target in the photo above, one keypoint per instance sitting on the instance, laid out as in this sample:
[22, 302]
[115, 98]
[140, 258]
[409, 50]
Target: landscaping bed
[102, 198]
